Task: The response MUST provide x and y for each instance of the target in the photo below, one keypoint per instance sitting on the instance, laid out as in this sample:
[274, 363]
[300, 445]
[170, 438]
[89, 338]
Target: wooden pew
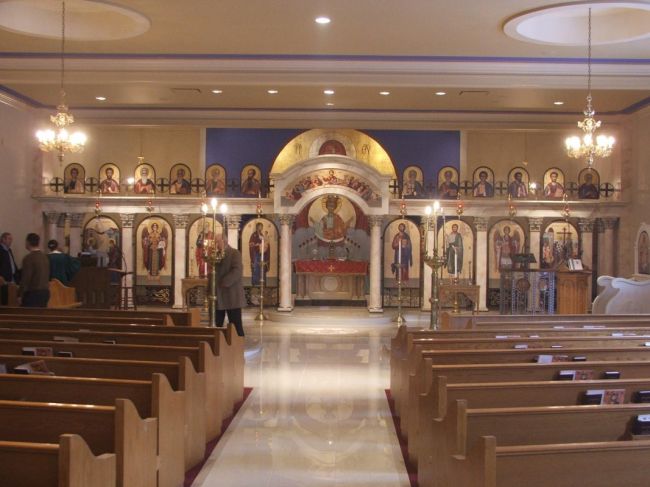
[107, 429]
[596, 464]
[68, 463]
[62, 296]
[459, 434]
[453, 321]
[154, 398]
[191, 317]
[505, 394]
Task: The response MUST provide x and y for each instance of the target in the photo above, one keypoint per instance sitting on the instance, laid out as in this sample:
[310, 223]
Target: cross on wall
[92, 184]
[163, 184]
[466, 187]
[501, 187]
[56, 184]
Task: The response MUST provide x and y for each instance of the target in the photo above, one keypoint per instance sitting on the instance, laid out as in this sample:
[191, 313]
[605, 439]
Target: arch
[352, 145]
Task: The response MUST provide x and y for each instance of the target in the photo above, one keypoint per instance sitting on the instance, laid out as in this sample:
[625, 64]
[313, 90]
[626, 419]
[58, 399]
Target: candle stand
[213, 257]
[436, 262]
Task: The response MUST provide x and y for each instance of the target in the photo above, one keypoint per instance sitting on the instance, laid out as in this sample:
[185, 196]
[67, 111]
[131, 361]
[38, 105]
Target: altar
[331, 280]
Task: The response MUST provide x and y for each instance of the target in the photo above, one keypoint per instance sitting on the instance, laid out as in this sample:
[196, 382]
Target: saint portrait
[483, 183]
[412, 183]
[73, 179]
[506, 238]
[180, 176]
[559, 244]
[332, 218]
[109, 179]
[643, 253]
[102, 239]
[332, 146]
[518, 183]
[588, 184]
[251, 181]
[215, 180]
[155, 256]
[402, 254]
[456, 238]
[201, 238]
[448, 183]
[259, 256]
[145, 175]
[554, 183]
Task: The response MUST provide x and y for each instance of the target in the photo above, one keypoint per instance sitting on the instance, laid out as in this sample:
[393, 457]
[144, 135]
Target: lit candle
[456, 262]
[399, 255]
[213, 204]
[427, 210]
[436, 210]
[262, 252]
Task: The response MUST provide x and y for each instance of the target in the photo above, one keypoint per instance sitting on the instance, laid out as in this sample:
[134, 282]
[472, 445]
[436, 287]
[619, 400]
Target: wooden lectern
[573, 292]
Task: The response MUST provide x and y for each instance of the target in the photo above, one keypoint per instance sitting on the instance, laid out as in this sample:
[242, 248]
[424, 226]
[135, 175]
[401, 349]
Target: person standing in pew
[8, 269]
[35, 278]
[230, 289]
[62, 266]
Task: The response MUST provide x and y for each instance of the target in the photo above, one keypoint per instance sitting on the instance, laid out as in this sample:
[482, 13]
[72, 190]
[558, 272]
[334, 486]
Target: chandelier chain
[589, 56]
[62, 46]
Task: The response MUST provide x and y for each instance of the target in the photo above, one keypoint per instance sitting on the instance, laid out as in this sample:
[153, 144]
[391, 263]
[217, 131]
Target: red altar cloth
[331, 266]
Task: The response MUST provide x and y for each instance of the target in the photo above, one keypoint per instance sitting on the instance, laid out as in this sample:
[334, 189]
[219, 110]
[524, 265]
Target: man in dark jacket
[8, 267]
[35, 279]
[230, 289]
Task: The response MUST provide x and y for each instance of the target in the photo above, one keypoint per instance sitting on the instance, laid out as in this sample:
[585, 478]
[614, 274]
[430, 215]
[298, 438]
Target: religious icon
[402, 254]
[102, 239]
[456, 237]
[250, 181]
[145, 176]
[448, 183]
[559, 244]
[215, 180]
[483, 186]
[154, 252]
[332, 147]
[507, 240]
[412, 186]
[336, 218]
[588, 181]
[180, 176]
[518, 187]
[454, 247]
[643, 249]
[73, 179]
[260, 262]
[109, 177]
[554, 183]
[259, 248]
[200, 237]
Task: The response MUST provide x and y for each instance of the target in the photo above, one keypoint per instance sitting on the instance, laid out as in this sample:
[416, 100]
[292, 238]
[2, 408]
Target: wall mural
[144, 176]
[109, 179]
[154, 252]
[643, 253]
[215, 180]
[402, 254]
[518, 183]
[448, 180]
[331, 177]
[251, 181]
[457, 238]
[331, 226]
[559, 242]
[180, 176]
[506, 238]
[413, 183]
[201, 231]
[554, 183]
[589, 182]
[74, 176]
[102, 239]
[260, 252]
[483, 182]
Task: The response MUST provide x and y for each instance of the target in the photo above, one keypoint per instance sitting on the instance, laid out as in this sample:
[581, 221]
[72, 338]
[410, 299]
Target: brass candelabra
[213, 257]
[436, 261]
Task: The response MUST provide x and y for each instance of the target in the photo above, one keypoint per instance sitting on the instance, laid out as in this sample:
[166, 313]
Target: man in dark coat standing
[230, 289]
[8, 267]
[35, 282]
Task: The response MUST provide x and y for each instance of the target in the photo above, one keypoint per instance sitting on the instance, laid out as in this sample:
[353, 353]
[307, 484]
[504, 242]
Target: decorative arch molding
[377, 182]
[349, 143]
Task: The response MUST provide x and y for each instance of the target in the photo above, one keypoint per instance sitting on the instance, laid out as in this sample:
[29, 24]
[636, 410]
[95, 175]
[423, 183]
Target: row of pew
[507, 401]
[123, 400]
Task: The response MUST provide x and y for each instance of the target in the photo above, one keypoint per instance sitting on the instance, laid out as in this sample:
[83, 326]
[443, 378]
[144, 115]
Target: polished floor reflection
[318, 414]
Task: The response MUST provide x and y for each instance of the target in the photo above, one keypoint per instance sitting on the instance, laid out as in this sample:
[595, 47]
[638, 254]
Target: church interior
[401, 181]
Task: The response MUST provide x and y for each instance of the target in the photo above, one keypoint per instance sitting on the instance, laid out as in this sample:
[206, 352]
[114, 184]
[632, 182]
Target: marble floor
[318, 414]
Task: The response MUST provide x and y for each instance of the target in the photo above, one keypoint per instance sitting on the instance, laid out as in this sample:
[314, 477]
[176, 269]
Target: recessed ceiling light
[322, 20]
[100, 98]
[272, 92]
[384, 93]
[328, 92]
[217, 92]
[441, 93]
[558, 103]
[329, 104]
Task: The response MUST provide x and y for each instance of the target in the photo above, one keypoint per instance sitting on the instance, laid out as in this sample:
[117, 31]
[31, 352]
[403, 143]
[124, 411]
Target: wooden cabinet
[573, 292]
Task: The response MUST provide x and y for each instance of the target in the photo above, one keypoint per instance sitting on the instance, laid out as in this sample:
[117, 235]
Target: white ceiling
[411, 48]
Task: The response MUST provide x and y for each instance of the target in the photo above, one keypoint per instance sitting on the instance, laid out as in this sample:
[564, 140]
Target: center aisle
[318, 414]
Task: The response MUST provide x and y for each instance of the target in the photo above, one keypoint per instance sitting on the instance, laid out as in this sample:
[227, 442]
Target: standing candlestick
[261, 316]
[399, 319]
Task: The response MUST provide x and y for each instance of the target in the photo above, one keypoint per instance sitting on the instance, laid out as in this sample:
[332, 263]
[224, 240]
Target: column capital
[286, 219]
[375, 220]
[127, 219]
[610, 223]
[586, 225]
[233, 222]
[535, 224]
[52, 217]
[75, 219]
[180, 220]
[480, 224]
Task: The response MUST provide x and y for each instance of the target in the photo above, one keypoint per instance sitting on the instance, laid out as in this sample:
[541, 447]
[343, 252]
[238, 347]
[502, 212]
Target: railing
[527, 291]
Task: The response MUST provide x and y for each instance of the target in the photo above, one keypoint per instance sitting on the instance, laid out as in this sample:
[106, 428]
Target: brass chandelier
[59, 139]
[589, 145]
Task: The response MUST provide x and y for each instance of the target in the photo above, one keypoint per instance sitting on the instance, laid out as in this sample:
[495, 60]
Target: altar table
[331, 280]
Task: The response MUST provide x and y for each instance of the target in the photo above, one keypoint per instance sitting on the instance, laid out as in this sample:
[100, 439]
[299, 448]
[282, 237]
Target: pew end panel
[78, 467]
[193, 383]
[169, 407]
[216, 391]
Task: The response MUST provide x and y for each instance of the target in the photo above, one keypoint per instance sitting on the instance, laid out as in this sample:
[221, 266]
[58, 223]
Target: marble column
[480, 225]
[232, 223]
[374, 296]
[128, 257]
[51, 221]
[180, 253]
[601, 266]
[286, 302]
[76, 220]
[586, 228]
[426, 283]
[608, 247]
[535, 228]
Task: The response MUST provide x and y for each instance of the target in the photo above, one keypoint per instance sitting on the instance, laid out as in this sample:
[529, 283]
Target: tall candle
[262, 251]
[399, 254]
[456, 263]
